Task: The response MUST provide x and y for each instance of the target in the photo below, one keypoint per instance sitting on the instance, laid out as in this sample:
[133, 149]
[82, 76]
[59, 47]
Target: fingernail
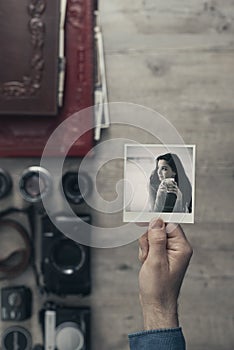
[157, 224]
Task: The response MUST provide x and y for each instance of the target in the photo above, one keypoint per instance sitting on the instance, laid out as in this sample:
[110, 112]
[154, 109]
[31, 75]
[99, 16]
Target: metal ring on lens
[35, 184]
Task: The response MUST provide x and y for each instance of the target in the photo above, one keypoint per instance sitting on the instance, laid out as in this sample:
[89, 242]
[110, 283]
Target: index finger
[175, 230]
[176, 236]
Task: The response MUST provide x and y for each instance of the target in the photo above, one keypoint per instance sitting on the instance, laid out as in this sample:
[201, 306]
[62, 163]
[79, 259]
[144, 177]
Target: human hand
[168, 185]
[167, 195]
[165, 254]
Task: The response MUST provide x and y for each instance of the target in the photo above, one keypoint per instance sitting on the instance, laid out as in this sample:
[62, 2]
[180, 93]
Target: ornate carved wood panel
[29, 57]
[26, 135]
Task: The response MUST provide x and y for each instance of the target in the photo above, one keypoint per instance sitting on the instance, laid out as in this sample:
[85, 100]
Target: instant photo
[159, 181]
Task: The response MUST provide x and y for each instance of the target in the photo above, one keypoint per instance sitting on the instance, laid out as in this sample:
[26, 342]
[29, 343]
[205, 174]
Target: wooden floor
[176, 57]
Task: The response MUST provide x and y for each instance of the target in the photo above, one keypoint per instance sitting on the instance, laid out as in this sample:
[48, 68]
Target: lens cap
[69, 330]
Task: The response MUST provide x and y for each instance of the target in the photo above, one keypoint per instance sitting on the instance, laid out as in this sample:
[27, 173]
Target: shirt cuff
[160, 339]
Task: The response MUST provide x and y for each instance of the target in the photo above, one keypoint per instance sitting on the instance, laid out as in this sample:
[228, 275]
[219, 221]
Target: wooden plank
[149, 62]
[153, 25]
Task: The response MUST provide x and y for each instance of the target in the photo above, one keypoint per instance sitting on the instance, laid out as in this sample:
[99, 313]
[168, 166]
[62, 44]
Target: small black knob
[14, 299]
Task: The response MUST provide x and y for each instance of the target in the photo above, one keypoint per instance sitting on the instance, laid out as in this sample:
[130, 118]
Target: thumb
[157, 238]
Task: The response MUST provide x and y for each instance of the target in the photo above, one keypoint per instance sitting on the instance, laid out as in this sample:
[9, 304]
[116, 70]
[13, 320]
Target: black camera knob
[16, 337]
[14, 299]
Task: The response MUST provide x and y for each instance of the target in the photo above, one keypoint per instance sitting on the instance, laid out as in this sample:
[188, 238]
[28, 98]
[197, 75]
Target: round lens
[75, 190]
[35, 183]
[67, 256]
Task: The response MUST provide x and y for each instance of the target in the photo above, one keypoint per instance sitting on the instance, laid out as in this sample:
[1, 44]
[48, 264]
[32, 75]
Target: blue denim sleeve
[158, 339]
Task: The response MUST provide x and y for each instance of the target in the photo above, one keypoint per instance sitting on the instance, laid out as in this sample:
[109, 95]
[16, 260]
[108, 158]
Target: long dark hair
[180, 178]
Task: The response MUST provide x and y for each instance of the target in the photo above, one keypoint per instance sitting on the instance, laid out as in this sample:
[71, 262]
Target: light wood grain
[175, 57]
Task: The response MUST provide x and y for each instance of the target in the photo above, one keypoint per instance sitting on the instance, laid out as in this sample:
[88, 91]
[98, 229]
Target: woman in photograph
[169, 187]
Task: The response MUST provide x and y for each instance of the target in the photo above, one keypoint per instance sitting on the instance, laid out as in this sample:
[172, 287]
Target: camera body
[65, 327]
[16, 303]
[65, 263]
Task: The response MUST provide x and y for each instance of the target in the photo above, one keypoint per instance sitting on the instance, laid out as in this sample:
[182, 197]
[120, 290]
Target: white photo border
[142, 216]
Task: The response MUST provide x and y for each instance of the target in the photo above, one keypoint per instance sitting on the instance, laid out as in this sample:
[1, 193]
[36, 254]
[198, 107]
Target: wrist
[159, 318]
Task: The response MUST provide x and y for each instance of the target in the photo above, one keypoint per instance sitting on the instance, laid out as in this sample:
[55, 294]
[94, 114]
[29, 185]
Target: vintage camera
[65, 263]
[16, 303]
[65, 328]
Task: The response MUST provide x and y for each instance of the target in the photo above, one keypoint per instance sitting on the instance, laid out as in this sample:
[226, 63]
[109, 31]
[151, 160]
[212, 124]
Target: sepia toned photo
[159, 180]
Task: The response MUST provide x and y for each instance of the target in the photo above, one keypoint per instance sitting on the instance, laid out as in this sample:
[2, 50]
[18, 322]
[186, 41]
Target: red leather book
[25, 135]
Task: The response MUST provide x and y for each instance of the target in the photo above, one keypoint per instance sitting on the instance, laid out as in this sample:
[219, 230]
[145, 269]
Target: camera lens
[69, 330]
[76, 187]
[68, 256]
[5, 183]
[35, 184]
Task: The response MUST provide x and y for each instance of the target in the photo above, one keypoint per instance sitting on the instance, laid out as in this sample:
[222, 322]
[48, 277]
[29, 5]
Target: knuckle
[140, 258]
[188, 250]
[141, 255]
